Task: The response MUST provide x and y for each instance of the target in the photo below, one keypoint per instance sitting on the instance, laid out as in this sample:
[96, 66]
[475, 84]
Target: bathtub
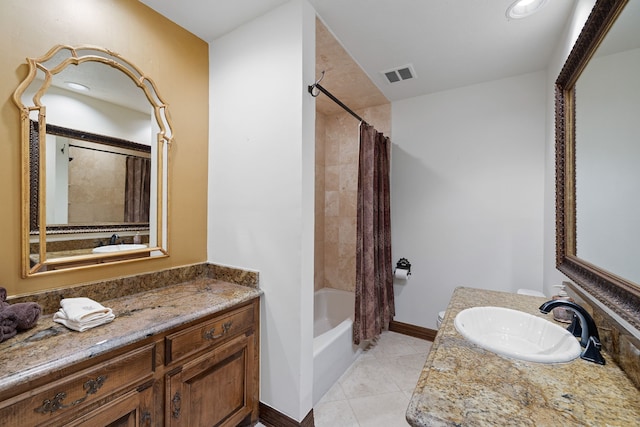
[333, 349]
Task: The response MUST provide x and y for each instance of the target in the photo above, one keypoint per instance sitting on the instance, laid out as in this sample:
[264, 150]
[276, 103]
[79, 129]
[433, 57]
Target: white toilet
[530, 292]
[440, 318]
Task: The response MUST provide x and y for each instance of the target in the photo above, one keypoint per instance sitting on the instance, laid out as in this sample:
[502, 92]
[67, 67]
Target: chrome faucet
[114, 238]
[582, 326]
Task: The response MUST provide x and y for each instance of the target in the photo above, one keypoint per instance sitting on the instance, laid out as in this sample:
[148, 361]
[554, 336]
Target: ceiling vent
[399, 74]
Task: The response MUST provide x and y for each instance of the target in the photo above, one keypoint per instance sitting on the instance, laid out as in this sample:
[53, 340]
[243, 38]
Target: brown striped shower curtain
[374, 276]
[137, 189]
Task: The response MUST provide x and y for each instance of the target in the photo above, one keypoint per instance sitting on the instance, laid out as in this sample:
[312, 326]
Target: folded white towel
[82, 313]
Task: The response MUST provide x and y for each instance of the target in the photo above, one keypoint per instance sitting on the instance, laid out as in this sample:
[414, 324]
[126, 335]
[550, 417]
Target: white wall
[581, 12]
[75, 111]
[467, 192]
[261, 186]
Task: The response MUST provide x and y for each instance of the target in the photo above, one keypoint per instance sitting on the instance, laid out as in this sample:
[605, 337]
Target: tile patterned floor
[376, 389]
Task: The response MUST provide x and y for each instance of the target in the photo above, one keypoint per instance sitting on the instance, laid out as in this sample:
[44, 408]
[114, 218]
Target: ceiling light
[77, 86]
[523, 8]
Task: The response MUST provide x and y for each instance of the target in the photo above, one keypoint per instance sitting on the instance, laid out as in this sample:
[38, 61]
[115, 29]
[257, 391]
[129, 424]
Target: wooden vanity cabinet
[201, 374]
[215, 379]
[67, 397]
[213, 389]
[132, 409]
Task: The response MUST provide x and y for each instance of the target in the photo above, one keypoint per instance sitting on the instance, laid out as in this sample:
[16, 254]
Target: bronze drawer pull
[210, 334]
[52, 405]
[177, 402]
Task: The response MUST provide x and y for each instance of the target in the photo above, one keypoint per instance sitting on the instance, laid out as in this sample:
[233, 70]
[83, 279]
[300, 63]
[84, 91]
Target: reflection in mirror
[94, 179]
[95, 142]
[597, 153]
[607, 151]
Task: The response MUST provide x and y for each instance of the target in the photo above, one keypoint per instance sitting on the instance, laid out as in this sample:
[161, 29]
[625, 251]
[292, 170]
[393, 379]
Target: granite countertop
[50, 346]
[462, 384]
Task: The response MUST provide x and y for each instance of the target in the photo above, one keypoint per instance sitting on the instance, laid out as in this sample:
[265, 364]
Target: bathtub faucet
[582, 326]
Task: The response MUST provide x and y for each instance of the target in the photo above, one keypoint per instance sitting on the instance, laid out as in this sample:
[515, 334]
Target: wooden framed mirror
[597, 156]
[95, 142]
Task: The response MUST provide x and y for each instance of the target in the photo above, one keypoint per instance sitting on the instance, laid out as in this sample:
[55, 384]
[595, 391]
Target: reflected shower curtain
[374, 277]
[137, 189]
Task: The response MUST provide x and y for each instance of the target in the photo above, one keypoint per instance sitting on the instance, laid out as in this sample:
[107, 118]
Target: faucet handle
[592, 351]
[575, 328]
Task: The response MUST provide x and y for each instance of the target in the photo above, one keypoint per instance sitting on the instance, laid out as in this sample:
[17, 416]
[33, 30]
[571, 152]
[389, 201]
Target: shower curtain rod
[317, 85]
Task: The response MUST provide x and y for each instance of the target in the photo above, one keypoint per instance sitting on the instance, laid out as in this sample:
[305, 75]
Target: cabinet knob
[145, 419]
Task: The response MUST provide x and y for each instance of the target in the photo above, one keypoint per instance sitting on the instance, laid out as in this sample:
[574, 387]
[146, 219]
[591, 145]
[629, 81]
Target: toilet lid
[523, 291]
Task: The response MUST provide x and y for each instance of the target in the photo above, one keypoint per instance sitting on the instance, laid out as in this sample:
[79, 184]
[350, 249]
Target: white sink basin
[117, 248]
[517, 335]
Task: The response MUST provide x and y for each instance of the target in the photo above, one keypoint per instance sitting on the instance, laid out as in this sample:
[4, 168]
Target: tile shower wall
[318, 279]
[96, 186]
[336, 193]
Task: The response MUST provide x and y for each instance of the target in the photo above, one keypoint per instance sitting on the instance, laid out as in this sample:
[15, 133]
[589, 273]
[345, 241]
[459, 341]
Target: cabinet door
[215, 389]
[133, 409]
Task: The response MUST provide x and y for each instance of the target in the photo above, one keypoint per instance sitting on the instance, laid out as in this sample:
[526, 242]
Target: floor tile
[333, 394]
[376, 389]
[383, 410]
[390, 345]
[334, 414]
[366, 377]
[405, 371]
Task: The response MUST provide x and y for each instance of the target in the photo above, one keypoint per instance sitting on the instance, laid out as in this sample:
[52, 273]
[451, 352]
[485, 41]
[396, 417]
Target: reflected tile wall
[96, 186]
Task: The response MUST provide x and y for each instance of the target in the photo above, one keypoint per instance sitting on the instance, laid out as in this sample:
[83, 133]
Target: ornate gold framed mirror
[597, 155]
[95, 141]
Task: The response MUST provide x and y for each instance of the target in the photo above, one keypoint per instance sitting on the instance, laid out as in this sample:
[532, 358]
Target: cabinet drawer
[208, 334]
[78, 390]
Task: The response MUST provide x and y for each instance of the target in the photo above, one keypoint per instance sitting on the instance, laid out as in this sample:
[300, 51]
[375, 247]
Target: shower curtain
[137, 189]
[374, 278]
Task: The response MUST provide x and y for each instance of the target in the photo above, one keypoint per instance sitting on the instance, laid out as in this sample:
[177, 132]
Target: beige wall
[336, 211]
[164, 51]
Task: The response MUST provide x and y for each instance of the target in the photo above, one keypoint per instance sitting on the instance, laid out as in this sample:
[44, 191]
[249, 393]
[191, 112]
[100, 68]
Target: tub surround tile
[115, 288]
[461, 383]
[50, 346]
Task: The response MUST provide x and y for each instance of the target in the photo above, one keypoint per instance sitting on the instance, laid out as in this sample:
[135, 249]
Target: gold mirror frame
[617, 293]
[164, 138]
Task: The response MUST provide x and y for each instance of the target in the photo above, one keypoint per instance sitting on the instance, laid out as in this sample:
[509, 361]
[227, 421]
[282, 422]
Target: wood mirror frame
[42, 71]
[620, 295]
